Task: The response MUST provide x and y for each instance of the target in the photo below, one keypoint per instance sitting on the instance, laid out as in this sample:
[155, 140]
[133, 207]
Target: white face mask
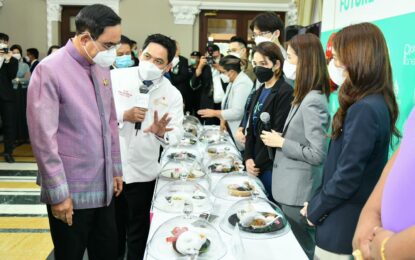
[17, 56]
[149, 71]
[27, 59]
[336, 73]
[217, 60]
[290, 70]
[103, 58]
[3, 45]
[224, 78]
[236, 54]
[261, 39]
[175, 61]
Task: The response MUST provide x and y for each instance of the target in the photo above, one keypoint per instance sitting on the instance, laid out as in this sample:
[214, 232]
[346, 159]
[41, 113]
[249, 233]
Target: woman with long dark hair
[362, 131]
[302, 147]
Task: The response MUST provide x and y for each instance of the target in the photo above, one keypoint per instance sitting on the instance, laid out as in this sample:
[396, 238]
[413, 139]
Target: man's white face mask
[149, 71]
[103, 58]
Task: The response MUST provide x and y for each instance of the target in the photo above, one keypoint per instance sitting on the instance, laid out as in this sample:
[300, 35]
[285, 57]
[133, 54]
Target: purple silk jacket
[73, 130]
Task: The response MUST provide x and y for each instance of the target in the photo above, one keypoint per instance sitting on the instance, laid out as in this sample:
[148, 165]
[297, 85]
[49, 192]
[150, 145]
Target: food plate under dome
[238, 185]
[186, 237]
[258, 218]
[175, 196]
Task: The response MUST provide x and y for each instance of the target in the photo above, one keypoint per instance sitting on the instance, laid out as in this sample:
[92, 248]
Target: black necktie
[148, 83]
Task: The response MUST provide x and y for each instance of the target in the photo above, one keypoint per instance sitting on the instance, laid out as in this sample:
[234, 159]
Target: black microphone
[267, 127]
[143, 103]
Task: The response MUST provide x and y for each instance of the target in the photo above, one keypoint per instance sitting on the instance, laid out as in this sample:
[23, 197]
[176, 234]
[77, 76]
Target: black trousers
[302, 231]
[8, 117]
[92, 229]
[133, 218]
[22, 134]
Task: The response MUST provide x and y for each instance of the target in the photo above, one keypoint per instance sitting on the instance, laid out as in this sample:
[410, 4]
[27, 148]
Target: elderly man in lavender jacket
[74, 134]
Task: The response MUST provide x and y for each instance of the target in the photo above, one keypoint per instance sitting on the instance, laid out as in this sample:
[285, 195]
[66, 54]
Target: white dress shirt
[139, 153]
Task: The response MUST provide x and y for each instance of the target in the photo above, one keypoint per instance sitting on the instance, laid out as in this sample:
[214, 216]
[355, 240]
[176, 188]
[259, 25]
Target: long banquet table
[283, 247]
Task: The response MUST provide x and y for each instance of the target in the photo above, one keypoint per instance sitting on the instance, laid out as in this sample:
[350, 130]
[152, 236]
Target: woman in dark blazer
[274, 97]
[362, 129]
[302, 147]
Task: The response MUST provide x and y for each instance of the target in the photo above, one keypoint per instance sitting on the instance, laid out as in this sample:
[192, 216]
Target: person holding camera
[194, 95]
[8, 71]
[202, 81]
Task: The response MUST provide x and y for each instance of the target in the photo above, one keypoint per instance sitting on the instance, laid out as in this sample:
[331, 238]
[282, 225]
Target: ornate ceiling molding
[54, 10]
[254, 6]
[292, 14]
[185, 11]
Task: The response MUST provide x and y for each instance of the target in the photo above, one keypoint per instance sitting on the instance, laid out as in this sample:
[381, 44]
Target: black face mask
[263, 74]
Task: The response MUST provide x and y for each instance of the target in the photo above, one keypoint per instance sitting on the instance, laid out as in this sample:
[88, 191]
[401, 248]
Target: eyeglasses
[110, 45]
[260, 34]
[106, 45]
[233, 50]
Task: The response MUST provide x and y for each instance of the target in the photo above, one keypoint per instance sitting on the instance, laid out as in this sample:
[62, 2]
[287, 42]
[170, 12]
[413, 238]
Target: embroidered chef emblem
[125, 93]
[162, 101]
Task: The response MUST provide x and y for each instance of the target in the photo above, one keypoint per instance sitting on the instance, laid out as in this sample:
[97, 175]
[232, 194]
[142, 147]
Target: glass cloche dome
[174, 169]
[238, 185]
[192, 125]
[223, 164]
[186, 237]
[181, 153]
[211, 135]
[174, 196]
[188, 140]
[222, 148]
[257, 218]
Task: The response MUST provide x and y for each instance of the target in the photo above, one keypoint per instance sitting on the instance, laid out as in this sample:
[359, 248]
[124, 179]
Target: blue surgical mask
[124, 61]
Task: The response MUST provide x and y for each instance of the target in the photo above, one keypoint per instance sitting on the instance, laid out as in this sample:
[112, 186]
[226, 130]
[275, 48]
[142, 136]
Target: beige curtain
[309, 11]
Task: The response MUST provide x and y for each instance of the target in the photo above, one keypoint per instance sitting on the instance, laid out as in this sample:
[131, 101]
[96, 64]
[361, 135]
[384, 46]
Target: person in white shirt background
[160, 113]
[237, 92]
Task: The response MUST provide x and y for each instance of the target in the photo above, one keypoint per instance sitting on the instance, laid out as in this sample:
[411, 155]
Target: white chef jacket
[139, 153]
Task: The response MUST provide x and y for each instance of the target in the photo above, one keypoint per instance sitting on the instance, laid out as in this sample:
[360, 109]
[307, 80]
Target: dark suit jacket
[278, 105]
[181, 79]
[353, 166]
[204, 84]
[8, 72]
[32, 68]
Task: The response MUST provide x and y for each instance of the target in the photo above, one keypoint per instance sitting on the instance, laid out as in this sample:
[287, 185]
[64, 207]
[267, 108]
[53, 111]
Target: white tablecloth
[283, 247]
